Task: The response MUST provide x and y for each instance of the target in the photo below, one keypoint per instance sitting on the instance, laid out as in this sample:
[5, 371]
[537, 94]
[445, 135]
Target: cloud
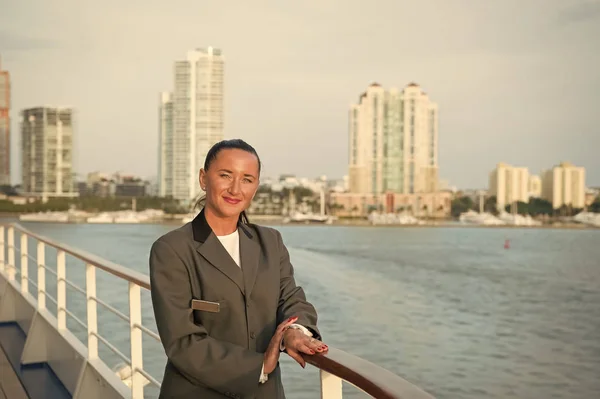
[579, 13]
[12, 41]
[502, 73]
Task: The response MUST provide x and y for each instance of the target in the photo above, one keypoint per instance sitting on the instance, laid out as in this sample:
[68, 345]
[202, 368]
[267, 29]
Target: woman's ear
[202, 179]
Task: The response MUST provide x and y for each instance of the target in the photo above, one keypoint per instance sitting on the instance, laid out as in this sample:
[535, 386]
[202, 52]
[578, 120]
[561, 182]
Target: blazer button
[252, 335]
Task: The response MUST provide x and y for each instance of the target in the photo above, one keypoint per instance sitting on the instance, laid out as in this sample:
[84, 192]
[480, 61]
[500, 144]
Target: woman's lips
[232, 201]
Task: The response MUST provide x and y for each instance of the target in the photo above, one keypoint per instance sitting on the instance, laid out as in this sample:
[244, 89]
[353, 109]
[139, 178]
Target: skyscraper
[393, 142]
[191, 121]
[47, 152]
[4, 127]
[564, 184]
[509, 184]
[165, 145]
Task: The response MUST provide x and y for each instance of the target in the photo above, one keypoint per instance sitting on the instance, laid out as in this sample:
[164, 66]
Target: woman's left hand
[297, 342]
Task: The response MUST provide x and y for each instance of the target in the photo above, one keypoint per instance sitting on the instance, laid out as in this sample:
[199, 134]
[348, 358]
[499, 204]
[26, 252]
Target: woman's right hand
[272, 353]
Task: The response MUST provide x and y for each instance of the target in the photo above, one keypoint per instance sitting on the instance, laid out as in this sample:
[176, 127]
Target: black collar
[202, 229]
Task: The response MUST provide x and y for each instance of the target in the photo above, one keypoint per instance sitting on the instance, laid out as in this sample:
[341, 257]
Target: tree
[491, 205]
[567, 210]
[335, 207]
[8, 190]
[522, 208]
[595, 206]
[94, 204]
[539, 206]
[264, 188]
[461, 205]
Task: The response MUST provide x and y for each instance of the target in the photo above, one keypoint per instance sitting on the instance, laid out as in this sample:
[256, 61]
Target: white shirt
[231, 243]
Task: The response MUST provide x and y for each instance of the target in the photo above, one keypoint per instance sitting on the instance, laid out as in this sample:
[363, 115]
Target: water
[449, 309]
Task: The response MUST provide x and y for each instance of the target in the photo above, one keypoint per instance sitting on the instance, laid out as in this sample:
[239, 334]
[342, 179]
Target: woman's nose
[234, 187]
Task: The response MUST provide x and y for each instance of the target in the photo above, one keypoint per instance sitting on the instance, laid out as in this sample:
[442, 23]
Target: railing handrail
[115, 269]
[369, 377]
[372, 379]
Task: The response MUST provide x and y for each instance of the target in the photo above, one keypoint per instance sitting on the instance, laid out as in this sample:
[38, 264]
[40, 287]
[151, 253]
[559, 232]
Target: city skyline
[523, 95]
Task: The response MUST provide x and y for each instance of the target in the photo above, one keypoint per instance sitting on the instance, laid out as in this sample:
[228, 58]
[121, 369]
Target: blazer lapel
[250, 256]
[211, 249]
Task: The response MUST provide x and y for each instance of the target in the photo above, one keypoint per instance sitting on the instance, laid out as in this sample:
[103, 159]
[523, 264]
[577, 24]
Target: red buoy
[506, 244]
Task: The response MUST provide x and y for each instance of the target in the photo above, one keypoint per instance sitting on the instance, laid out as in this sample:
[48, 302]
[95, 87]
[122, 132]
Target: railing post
[331, 386]
[2, 248]
[41, 275]
[61, 290]
[92, 307]
[11, 253]
[135, 320]
[24, 264]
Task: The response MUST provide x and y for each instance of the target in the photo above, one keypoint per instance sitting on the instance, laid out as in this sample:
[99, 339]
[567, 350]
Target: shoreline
[574, 226]
[272, 221]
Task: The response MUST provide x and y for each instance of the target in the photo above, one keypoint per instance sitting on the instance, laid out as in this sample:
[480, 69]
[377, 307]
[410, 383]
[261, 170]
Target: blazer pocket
[206, 306]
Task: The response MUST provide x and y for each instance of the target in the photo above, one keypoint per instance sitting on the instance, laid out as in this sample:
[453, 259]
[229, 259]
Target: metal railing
[335, 366]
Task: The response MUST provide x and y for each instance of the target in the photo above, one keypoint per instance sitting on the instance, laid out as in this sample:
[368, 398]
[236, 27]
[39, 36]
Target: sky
[516, 81]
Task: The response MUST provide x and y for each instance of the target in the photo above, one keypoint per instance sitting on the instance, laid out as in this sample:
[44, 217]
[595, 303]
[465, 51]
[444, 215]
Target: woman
[224, 294]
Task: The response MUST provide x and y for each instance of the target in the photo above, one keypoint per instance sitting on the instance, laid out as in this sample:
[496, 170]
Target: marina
[469, 218]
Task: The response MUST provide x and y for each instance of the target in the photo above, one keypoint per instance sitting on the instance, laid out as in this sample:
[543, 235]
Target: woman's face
[230, 182]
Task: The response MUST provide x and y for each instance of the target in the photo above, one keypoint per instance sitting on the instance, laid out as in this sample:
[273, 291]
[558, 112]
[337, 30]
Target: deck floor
[10, 386]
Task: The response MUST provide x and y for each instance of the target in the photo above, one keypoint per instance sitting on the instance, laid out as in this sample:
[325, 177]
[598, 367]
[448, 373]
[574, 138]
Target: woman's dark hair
[233, 144]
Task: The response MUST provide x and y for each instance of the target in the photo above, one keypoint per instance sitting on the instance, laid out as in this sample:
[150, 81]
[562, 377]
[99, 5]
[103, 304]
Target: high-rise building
[564, 184]
[165, 145]
[509, 184]
[191, 121]
[535, 186]
[393, 142]
[4, 127]
[47, 152]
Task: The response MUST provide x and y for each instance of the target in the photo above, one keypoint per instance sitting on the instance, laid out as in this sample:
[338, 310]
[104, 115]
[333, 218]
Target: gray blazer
[215, 349]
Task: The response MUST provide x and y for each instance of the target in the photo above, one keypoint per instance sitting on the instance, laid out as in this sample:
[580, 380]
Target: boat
[127, 217]
[376, 218]
[189, 217]
[306, 218]
[588, 218]
[103, 217]
[518, 220]
[49, 217]
[480, 218]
